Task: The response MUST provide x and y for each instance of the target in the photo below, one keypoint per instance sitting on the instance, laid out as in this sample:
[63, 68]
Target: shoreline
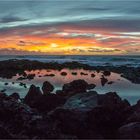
[77, 111]
[73, 113]
[11, 67]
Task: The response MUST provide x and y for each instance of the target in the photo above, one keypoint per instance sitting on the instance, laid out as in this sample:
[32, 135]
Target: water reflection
[118, 84]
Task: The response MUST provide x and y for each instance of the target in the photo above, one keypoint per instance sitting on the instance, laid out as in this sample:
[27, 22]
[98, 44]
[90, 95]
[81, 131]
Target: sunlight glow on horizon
[90, 27]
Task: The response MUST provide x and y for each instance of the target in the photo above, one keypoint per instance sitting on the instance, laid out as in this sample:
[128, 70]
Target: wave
[90, 60]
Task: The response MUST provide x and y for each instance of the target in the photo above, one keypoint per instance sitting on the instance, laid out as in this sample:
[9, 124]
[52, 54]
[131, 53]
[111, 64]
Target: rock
[47, 103]
[3, 90]
[93, 75]
[2, 95]
[106, 73]
[100, 115]
[130, 131]
[90, 100]
[51, 75]
[74, 73]
[108, 115]
[22, 84]
[103, 80]
[6, 84]
[59, 92]
[4, 134]
[15, 96]
[30, 76]
[82, 73]
[75, 86]
[91, 86]
[47, 87]
[82, 101]
[70, 122]
[134, 113]
[21, 78]
[17, 120]
[33, 94]
[63, 73]
[111, 82]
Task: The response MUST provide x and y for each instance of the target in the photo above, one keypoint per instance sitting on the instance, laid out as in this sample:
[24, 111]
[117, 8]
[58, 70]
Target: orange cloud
[68, 40]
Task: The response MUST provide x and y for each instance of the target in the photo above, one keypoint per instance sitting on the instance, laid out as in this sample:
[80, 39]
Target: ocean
[133, 61]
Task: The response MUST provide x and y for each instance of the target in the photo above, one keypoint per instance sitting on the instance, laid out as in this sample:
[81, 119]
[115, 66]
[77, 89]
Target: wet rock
[17, 119]
[6, 84]
[106, 73]
[108, 115]
[30, 76]
[63, 73]
[82, 101]
[130, 131]
[51, 75]
[15, 96]
[59, 92]
[74, 73]
[47, 87]
[91, 86]
[99, 117]
[111, 82]
[22, 84]
[21, 78]
[3, 90]
[75, 86]
[103, 80]
[93, 75]
[69, 122]
[33, 94]
[82, 73]
[48, 102]
[4, 134]
[134, 115]
[25, 86]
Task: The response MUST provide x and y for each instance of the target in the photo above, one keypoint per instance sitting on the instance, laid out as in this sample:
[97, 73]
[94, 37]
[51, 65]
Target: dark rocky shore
[10, 68]
[71, 113]
[75, 112]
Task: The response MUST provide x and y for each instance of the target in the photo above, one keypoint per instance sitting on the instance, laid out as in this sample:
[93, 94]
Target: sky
[70, 27]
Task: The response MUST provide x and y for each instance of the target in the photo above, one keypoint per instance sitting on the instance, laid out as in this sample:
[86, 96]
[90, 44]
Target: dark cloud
[8, 19]
[29, 43]
[13, 51]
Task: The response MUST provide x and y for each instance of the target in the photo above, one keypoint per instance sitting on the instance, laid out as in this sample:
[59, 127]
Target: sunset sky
[70, 27]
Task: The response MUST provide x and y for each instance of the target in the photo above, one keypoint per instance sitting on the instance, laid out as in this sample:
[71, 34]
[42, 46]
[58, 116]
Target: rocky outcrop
[103, 80]
[17, 120]
[106, 73]
[82, 101]
[46, 103]
[79, 115]
[74, 87]
[15, 96]
[90, 115]
[130, 131]
[47, 87]
[33, 95]
[43, 102]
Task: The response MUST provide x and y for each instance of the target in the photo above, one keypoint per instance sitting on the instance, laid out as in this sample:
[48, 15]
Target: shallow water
[123, 87]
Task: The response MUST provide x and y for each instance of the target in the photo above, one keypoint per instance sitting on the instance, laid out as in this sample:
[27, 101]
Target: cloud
[9, 19]
[103, 50]
[29, 43]
[13, 51]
